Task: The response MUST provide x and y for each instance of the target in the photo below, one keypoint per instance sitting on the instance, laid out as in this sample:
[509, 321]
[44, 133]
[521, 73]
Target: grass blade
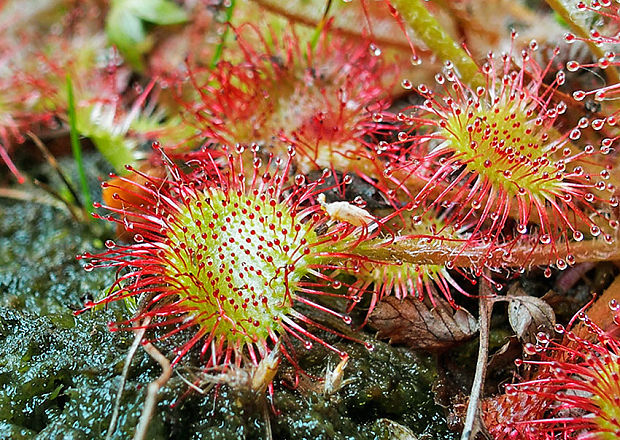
[220, 47]
[76, 147]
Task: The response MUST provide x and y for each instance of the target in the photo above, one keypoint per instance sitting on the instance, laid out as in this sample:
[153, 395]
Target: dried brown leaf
[529, 315]
[505, 355]
[411, 322]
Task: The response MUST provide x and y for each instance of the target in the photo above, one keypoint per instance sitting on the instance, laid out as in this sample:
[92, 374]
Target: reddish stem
[415, 251]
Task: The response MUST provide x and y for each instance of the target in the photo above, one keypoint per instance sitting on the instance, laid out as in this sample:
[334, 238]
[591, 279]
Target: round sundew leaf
[497, 158]
[230, 256]
[579, 378]
[224, 258]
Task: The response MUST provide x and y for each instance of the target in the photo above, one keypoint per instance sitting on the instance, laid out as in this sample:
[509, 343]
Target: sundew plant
[304, 216]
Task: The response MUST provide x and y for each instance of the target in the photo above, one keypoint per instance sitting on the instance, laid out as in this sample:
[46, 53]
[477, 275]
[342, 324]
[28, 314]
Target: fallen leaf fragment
[413, 323]
[529, 315]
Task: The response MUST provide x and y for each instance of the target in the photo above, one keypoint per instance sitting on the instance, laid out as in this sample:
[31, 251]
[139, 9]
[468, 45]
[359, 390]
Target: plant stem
[465, 20]
[575, 19]
[139, 334]
[153, 389]
[220, 47]
[75, 146]
[485, 304]
[429, 30]
[54, 164]
[418, 250]
[318, 30]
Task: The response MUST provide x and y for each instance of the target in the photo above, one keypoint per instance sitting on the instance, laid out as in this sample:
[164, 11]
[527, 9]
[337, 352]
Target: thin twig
[139, 334]
[31, 196]
[58, 197]
[485, 308]
[49, 198]
[287, 11]
[152, 391]
[49, 157]
[189, 384]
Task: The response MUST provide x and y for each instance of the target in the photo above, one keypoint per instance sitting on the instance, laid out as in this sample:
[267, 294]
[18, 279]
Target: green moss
[62, 379]
[387, 382]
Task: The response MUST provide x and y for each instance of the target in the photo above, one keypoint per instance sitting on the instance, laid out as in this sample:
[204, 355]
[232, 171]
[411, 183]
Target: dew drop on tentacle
[598, 124]
[542, 338]
[600, 95]
[579, 95]
[529, 349]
